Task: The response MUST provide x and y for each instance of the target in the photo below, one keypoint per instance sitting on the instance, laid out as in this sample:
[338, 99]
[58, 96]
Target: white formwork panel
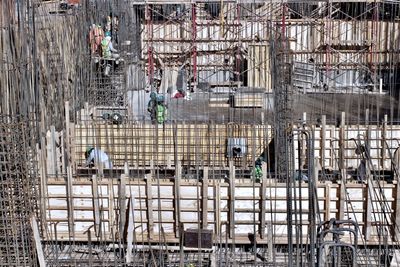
[190, 216]
[56, 190]
[165, 203]
[247, 204]
[58, 202]
[247, 192]
[81, 227]
[140, 216]
[190, 191]
[136, 190]
[57, 214]
[82, 190]
[167, 216]
[83, 214]
[189, 204]
[82, 202]
[165, 191]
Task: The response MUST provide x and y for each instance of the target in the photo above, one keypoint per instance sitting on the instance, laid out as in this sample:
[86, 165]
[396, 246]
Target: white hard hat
[108, 38]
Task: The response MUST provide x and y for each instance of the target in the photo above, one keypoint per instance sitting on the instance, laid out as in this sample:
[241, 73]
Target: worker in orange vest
[96, 35]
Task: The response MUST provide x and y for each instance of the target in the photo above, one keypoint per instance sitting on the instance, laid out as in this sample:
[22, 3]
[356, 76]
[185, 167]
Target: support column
[96, 206]
[383, 143]
[397, 209]
[368, 194]
[342, 193]
[122, 205]
[177, 208]
[231, 200]
[263, 187]
[204, 206]
[149, 204]
[323, 140]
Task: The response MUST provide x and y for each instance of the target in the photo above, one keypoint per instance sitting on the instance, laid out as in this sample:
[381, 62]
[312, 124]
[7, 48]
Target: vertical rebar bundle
[17, 194]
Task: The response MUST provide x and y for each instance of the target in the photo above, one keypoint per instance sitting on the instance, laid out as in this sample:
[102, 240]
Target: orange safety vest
[96, 35]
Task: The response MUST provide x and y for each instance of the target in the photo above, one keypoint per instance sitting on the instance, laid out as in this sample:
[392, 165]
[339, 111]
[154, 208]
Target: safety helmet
[106, 116]
[153, 95]
[108, 36]
[117, 118]
[88, 150]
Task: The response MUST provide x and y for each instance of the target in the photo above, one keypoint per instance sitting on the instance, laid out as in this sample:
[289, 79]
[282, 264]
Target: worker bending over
[97, 157]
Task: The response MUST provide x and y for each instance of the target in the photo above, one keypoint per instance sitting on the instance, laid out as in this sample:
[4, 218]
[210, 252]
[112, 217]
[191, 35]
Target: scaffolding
[280, 145]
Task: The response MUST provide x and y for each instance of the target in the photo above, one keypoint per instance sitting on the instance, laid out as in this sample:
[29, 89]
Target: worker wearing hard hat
[108, 50]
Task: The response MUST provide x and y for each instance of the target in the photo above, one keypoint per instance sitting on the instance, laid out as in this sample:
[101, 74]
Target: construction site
[195, 133]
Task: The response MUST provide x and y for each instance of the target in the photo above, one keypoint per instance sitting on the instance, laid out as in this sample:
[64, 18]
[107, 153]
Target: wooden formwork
[231, 208]
[192, 144]
[206, 144]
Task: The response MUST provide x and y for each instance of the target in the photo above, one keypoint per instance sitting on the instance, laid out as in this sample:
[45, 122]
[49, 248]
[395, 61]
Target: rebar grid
[17, 194]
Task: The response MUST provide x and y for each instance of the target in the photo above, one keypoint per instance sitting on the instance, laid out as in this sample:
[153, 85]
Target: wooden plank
[369, 198]
[231, 200]
[96, 206]
[149, 203]
[342, 193]
[43, 182]
[122, 205]
[67, 135]
[263, 200]
[131, 230]
[383, 143]
[70, 204]
[270, 242]
[38, 243]
[54, 151]
[217, 207]
[323, 140]
[327, 200]
[177, 208]
[204, 197]
[111, 212]
[397, 209]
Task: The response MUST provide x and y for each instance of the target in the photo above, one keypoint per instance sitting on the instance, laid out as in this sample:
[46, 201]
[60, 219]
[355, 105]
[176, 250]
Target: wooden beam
[217, 206]
[383, 142]
[70, 204]
[204, 206]
[130, 231]
[397, 209]
[38, 243]
[149, 204]
[54, 150]
[96, 206]
[327, 200]
[122, 205]
[342, 193]
[369, 196]
[111, 210]
[177, 206]
[231, 200]
[263, 199]
[323, 140]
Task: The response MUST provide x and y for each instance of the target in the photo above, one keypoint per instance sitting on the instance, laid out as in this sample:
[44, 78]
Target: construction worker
[257, 173]
[161, 110]
[108, 27]
[97, 157]
[152, 107]
[108, 51]
[114, 118]
[96, 35]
